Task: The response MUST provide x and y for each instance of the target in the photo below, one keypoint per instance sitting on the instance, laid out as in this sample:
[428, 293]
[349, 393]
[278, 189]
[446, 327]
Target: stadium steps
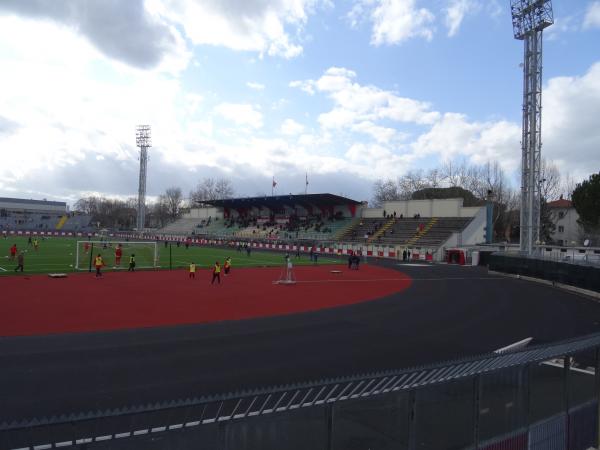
[346, 230]
[61, 222]
[382, 230]
[423, 232]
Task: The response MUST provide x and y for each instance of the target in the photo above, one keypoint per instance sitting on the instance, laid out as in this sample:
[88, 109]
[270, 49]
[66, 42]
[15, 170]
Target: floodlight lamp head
[530, 16]
[142, 136]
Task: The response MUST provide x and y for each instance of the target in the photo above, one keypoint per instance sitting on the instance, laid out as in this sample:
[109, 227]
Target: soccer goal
[146, 254]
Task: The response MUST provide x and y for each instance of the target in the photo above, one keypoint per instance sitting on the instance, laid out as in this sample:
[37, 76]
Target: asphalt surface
[448, 312]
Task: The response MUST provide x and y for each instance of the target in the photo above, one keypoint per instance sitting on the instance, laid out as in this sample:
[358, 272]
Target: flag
[274, 182]
[307, 178]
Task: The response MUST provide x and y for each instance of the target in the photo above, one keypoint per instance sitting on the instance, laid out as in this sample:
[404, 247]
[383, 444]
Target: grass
[57, 254]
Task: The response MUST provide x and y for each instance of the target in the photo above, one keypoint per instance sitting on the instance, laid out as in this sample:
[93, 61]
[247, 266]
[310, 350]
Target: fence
[545, 397]
[585, 277]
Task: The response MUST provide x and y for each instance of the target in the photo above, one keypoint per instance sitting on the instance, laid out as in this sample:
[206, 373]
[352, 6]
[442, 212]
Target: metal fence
[587, 277]
[544, 397]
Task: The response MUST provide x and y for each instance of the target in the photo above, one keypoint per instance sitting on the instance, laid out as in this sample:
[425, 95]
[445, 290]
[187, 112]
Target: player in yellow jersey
[98, 263]
[192, 270]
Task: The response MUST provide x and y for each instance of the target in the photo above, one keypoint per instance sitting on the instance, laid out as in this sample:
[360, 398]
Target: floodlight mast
[529, 18]
[143, 141]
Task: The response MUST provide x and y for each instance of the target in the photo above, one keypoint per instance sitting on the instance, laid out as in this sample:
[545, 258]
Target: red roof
[561, 203]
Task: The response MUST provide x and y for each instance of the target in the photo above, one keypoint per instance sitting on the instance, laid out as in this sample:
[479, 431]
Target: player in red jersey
[13, 252]
[118, 254]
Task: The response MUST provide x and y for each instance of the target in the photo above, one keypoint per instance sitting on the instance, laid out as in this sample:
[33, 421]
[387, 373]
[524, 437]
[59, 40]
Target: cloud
[570, 130]
[395, 21]
[290, 127]
[456, 12]
[124, 31]
[592, 16]
[255, 86]
[240, 113]
[267, 27]
[7, 126]
[306, 86]
[355, 103]
[454, 135]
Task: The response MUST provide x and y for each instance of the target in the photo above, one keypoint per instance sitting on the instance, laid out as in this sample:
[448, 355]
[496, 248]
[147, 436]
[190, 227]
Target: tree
[384, 191]
[211, 189]
[547, 222]
[550, 180]
[173, 200]
[586, 200]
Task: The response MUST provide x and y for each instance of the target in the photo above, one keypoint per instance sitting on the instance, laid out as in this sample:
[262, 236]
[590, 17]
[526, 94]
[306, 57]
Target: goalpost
[146, 254]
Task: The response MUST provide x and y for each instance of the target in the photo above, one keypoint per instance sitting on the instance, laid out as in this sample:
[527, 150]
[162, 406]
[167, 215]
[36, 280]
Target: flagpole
[306, 185]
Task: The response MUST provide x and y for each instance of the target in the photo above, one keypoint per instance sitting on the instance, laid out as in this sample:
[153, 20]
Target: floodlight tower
[529, 18]
[143, 141]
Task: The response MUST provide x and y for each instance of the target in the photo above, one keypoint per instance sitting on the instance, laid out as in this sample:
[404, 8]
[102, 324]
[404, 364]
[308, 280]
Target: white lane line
[395, 279]
[3, 269]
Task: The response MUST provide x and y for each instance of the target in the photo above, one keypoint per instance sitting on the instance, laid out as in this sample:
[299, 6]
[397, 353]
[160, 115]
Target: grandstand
[423, 226]
[39, 216]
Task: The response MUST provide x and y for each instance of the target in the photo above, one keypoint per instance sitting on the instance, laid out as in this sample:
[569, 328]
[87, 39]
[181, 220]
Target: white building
[564, 217]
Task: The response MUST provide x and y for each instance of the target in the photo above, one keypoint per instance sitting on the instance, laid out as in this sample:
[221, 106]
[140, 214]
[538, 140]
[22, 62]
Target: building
[567, 230]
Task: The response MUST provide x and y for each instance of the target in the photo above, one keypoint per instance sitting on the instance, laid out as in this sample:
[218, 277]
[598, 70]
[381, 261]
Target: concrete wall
[452, 207]
[35, 208]
[203, 213]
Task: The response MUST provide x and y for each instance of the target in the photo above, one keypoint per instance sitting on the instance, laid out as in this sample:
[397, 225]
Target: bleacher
[77, 222]
[30, 221]
[423, 231]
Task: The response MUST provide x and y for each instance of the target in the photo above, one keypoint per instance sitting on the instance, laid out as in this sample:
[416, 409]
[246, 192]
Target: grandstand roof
[32, 202]
[276, 201]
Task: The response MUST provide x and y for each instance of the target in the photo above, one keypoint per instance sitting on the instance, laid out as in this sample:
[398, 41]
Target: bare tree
[550, 180]
[173, 199]
[211, 189]
[568, 185]
[384, 191]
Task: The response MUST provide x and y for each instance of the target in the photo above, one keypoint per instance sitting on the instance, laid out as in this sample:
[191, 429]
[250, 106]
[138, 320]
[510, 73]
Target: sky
[344, 92]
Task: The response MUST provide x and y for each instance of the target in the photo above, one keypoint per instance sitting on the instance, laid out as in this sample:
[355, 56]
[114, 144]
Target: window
[561, 214]
[561, 229]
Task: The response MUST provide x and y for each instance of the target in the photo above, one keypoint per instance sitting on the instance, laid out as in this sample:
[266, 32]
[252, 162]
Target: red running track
[39, 305]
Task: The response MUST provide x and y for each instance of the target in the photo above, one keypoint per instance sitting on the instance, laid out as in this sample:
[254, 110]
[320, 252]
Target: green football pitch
[57, 255]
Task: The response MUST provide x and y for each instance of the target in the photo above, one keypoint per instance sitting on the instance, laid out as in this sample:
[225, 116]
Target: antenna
[529, 18]
[143, 141]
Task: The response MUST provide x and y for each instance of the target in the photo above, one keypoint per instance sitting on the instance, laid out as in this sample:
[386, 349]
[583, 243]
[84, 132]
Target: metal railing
[95, 426]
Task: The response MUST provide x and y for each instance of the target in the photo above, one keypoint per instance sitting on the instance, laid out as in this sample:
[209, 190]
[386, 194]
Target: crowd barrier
[584, 277]
[544, 397]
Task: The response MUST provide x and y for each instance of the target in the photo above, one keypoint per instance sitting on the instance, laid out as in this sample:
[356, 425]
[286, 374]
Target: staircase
[423, 232]
[382, 230]
[346, 230]
[61, 222]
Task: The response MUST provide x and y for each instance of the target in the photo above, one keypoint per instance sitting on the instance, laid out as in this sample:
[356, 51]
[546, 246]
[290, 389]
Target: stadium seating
[45, 222]
[425, 231]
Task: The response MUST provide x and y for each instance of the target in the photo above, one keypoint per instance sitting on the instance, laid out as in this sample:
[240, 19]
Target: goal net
[146, 254]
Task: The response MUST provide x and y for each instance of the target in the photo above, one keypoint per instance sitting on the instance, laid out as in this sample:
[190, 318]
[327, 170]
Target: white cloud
[383, 135]
[454, 135]
[255, 86]
[395, 21]
[571, 135]
[306, 86]
[592, 15]
[456, 12]
[267, 27]
[290, 127]
[354, 103]
[240, 114]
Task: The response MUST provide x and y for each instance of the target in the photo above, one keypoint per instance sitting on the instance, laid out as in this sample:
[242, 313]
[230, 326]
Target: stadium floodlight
[530, 18]
[143, 141]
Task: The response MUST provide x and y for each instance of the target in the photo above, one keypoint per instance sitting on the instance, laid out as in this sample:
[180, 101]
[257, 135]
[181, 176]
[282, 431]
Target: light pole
[529, 18]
